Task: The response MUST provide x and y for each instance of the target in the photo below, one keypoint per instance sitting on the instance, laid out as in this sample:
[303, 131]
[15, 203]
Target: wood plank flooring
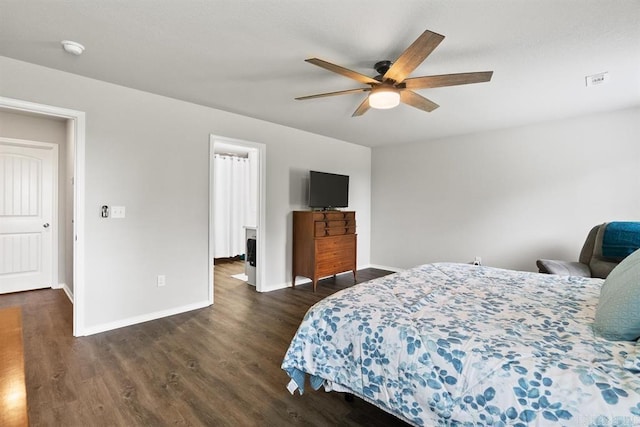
[217, 366]
[13, 392]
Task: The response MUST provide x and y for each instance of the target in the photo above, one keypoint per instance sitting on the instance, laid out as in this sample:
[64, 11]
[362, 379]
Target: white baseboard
[279, 286]
[66, 290]
[386, 267]
[143, 318]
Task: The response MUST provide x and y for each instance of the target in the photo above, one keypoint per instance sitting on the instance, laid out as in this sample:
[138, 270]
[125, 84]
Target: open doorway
[67, 270]
[236, 207]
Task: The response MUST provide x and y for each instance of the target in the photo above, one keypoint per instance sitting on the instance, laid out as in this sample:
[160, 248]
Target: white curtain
[232, 208]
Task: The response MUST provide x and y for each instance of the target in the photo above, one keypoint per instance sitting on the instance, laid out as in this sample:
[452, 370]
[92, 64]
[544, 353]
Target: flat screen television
[328, 190]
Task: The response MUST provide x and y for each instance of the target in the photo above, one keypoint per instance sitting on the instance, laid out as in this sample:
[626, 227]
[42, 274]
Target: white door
[26, 215]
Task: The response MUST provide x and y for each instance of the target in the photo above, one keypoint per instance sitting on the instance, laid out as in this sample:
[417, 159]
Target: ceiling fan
[391, 86]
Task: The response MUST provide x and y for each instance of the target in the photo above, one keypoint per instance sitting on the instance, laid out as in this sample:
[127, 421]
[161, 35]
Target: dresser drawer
[334, 216]
[334, 228]
[329, 244]
[336, 224]
[328, 268]
[320, 228]
[334, 254]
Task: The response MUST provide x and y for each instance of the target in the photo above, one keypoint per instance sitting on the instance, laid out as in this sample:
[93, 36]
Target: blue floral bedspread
[456, 344]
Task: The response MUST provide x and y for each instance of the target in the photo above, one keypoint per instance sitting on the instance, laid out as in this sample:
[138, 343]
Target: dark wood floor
[215, 366]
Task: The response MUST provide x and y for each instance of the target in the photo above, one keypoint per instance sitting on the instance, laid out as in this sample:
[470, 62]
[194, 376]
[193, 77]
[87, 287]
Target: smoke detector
[73, 48]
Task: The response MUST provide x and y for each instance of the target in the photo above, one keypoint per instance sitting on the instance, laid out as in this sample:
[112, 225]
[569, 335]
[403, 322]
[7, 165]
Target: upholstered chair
[591, 263]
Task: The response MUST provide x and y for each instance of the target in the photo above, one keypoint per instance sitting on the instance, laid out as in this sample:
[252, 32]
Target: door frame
[54, 278]
[260, 232]
[77, 135]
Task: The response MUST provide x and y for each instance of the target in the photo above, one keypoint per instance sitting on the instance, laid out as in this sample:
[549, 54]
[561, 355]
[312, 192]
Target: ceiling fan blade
[340, 92]
[362, 108]
[342, 71]
[413, 56]
[447, 80]
[418, 101]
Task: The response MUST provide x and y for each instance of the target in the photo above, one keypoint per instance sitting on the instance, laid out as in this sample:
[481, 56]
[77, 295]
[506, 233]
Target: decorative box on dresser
[324, 244]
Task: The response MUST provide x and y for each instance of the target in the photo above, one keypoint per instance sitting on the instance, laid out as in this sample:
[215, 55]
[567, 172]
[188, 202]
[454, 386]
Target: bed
[457, 344]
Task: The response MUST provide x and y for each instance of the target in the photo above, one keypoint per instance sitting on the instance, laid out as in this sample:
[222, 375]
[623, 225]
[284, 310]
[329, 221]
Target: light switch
[117, 211]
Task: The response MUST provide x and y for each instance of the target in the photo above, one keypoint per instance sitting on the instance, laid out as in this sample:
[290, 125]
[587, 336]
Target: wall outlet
[162, 280]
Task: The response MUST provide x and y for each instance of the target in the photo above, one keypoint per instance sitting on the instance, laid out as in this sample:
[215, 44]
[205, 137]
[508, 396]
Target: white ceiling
[248, 56]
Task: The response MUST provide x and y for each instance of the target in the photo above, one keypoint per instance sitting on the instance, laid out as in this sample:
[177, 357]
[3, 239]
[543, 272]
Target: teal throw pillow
[618, 311]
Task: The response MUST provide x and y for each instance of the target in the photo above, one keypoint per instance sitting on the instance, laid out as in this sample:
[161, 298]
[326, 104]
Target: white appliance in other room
[250, 260]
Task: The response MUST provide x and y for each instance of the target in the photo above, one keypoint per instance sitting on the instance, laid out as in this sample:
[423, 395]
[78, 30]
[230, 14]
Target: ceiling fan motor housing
[381, 68]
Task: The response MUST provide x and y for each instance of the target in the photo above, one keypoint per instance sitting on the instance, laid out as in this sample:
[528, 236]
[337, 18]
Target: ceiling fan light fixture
[384, 98]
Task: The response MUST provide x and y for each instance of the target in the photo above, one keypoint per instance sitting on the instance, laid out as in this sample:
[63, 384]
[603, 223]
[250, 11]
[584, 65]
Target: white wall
[151, 154]
[510, 196]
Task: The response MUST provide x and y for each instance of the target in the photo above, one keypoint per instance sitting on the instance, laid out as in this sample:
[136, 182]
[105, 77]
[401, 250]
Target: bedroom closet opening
[235, 206]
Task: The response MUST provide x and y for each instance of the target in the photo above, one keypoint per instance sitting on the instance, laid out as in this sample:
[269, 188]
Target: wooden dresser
[324, 244]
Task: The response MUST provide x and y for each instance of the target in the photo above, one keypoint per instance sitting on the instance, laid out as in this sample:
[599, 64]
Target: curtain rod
[242, 156]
